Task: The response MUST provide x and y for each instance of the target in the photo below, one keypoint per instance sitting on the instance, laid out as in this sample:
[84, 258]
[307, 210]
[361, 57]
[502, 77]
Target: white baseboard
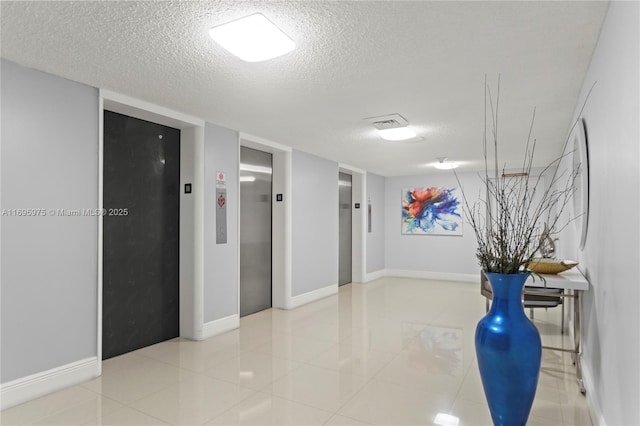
[426, 275]
[371, 276]
[312, 296]
[593, 404]
[219, 326]
[429, 275]
[36, 385]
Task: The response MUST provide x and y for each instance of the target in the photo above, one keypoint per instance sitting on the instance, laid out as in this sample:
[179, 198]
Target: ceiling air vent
[386, 124]
[390, 121]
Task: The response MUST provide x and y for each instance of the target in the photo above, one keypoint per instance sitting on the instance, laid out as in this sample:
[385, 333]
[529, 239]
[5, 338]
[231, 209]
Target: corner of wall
[312, 296]
[219, 326]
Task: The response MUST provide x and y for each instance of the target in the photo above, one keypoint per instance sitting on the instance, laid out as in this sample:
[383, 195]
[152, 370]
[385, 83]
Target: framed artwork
[581, 168]
[431, 211]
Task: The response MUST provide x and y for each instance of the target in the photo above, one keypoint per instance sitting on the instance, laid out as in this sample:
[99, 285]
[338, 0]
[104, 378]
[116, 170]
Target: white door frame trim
[191, 226]
[281, 219]
[359, 222]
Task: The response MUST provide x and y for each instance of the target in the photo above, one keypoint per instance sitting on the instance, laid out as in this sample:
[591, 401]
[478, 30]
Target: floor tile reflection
[390, 352]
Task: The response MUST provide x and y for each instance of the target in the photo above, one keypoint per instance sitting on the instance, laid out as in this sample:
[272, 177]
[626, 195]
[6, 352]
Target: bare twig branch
[516, 209]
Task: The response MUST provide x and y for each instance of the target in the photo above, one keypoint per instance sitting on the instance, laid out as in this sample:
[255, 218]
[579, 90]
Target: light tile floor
[390, 352]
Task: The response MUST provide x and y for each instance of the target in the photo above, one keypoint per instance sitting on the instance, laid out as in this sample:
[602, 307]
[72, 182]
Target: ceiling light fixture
[397, 134]
[253, 38]
[443, 164]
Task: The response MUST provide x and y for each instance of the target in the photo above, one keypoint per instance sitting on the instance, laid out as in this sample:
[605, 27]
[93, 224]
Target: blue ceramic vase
[509, 351]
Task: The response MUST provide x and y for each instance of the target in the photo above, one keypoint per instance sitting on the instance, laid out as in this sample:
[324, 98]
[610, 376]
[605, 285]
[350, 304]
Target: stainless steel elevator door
[255, 230]
[344, 225]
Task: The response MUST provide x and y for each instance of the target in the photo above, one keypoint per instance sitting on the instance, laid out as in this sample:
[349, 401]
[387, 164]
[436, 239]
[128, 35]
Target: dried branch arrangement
[510, 221]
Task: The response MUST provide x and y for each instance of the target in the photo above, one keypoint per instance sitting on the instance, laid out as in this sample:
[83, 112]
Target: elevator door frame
[280, 218]
[359, 198]
[240, 239]
[191, 135]
[351, 231]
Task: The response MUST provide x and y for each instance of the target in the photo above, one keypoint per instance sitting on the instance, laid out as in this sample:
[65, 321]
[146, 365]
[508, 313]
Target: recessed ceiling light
[397, 133]
[443, 164]
[252, 38]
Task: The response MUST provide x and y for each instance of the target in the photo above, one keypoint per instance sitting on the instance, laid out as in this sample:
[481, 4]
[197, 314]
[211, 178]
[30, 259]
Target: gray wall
[611, 348]
[429, 253]
[376, 238]
[314, 244]
[49, 264]
[220, 260]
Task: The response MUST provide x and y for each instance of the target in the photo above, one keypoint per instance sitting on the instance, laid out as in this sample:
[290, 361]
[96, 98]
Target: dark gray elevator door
[141, 232]
[344, 237]
[255, 230]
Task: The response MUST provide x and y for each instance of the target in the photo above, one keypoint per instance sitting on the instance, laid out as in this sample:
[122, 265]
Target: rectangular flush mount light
[397, 133]
[252, 38]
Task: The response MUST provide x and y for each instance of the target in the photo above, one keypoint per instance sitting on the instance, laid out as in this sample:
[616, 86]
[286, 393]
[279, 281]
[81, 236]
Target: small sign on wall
[221, 208]
[369, 215]
[221, 180]
[221, 216]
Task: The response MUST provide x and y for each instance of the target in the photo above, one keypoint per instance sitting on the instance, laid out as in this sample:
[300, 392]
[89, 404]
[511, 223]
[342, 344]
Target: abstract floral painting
[431, 211]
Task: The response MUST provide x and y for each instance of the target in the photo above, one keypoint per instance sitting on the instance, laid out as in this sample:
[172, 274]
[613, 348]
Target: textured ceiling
[354, 59]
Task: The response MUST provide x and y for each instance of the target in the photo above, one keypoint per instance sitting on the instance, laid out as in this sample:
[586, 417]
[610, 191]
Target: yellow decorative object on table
[550, 266]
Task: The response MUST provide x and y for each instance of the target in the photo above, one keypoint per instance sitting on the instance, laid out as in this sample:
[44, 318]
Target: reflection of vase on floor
[509, 351]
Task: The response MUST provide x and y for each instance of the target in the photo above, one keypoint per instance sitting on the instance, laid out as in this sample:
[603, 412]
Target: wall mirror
[581, 168]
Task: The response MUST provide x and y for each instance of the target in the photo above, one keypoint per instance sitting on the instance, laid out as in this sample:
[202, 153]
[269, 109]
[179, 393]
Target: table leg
[576, 340]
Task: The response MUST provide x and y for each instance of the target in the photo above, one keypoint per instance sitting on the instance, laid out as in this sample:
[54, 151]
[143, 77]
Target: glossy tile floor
[390, 352]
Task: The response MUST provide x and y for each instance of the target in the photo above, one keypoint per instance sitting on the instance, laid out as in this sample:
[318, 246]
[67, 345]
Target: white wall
[375, 238]
[433, 256]
[314, 223]
[49, 264]
[220, 260]
[610, 259]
